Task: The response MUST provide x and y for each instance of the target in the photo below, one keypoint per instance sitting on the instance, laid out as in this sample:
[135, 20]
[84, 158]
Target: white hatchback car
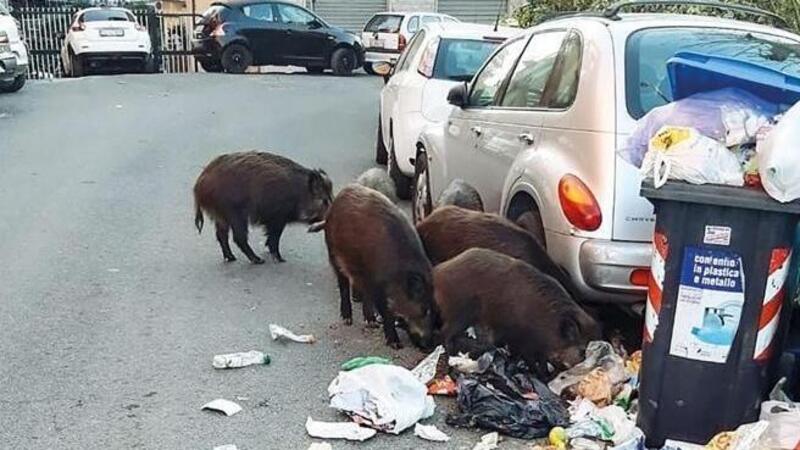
[386, 34]
[537, 131]
[439, 57]
[106, 38]
[13, 53]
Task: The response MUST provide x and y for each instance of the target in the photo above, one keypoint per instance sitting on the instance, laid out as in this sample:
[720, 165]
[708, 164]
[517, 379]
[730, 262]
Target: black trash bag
[503, 396]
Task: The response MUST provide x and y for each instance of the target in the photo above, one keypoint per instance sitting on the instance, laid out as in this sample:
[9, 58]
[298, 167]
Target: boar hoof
[372, 324]
[278, 258]
[395, 345]
[230, 258]
[348, 321]
[257, 260]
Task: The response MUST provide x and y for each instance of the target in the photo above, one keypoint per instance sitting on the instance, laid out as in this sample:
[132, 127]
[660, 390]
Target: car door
[390, 93]
[464, 130]
[514, 122]
[305, 37]
[263, 32]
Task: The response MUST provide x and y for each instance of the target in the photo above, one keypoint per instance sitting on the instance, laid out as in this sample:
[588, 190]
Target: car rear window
[99, 15]
[384, 23]
[459, 59]
[647, 52]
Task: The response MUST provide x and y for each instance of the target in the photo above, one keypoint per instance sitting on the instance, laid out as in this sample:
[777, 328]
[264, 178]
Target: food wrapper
[596, 387]
[443, 386]
[634, 364]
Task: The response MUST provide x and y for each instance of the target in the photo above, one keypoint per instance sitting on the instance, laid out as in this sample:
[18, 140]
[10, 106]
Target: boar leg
[369, 313]
[274, 232]
[345, 308]
[239, 225]
[378, 298]
[223, 230]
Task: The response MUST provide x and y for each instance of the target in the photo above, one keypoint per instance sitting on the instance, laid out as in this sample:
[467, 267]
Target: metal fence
[44, 28]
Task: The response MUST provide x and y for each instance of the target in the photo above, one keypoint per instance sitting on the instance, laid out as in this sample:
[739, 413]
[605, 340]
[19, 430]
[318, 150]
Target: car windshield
[647, 81]
[459, 59]
[99, 15]
[384, 23]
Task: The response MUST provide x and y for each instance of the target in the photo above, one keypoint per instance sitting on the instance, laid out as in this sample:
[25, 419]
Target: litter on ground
[320, 446]
[338, 430]
[488, 442]
[362, 361]
[226, 407]
[426, 369]
[278, 332]
[237, 360]
[430, 433]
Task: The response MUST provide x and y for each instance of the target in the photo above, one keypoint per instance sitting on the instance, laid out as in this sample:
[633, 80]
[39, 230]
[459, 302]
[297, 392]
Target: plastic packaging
[677, 153]
[362, 361]
[338, 430]
[598, 354]
[443, 386]
[779, 158]
[226, 407]
[430, 433]
[426, 369]
[279, 332]
[488, 442]
[237, 360]
[784, 424]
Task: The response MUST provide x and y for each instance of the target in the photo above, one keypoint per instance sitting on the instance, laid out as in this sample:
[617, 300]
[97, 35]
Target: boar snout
[320, 197]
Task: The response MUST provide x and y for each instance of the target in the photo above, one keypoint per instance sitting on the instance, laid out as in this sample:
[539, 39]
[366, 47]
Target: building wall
[412, 5]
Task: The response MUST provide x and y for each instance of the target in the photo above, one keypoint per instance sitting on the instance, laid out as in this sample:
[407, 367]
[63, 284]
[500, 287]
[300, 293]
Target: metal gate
[44, 28]
[477, 11]
[351, 15]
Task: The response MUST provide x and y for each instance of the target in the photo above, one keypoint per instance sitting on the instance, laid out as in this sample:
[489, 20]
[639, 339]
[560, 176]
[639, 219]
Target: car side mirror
[458, 95]
[383, 69]
[314, 24]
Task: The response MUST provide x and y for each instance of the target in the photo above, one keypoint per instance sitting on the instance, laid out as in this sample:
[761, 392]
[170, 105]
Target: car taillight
[401, 42]
[578, 203]
[78, 27]
[640, 277]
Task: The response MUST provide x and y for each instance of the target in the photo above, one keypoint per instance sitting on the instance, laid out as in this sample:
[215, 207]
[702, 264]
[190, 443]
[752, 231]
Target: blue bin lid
[692, 73]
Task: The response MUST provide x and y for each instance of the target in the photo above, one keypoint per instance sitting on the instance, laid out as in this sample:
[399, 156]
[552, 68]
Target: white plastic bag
[784, 424]
[779, 158]
[678, 153]
[385, 397]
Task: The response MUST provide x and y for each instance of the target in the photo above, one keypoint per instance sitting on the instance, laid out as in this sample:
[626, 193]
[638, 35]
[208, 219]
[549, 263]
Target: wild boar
[373, 247]
[460, 193]
[259, 188]
[379, 180]
[514, 304]
[450, 230]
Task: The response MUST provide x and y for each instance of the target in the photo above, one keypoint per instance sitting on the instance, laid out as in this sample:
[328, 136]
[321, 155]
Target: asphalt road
[111, 305]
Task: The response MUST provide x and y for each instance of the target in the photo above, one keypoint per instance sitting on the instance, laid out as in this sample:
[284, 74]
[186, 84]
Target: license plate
[112, 32]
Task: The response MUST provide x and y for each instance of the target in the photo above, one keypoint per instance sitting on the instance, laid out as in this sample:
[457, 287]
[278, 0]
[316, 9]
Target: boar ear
[569, 328]
[415, 284]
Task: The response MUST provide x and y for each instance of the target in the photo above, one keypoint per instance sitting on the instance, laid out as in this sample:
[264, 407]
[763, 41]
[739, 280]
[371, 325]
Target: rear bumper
[9, 68]
[371, 56]
[601, 269]
[206, 48]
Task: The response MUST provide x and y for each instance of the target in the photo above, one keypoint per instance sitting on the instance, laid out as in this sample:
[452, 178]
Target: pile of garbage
[726, 136]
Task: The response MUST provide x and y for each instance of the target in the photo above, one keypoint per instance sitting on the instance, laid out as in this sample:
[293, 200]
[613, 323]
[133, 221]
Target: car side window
[294, 15]
[489, 80]
[527, 85]
[566, 74]
[411, 51]
[430, 19]
[413, 24]
[259, 11]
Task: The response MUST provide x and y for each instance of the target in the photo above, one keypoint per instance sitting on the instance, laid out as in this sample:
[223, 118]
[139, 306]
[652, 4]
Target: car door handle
[526, 138]
[477, 131]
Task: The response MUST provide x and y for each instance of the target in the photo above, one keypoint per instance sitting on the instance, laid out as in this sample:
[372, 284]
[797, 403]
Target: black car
[236, 34]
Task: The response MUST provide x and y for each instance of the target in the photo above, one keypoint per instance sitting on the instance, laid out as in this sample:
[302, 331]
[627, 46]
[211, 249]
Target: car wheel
[236, 58]
[402, 183]
[531, 221]
[315, 69]
[211, 66]
[421, 203]
[381, 156]
[77, 67]
[344, 61]
[368, 68]
[13, 85]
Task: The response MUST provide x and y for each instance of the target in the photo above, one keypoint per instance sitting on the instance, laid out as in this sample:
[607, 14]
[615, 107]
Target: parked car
[13, 54]
[386, 34]
[438, 57]
[537, 131]
[236, 34]
[106, 38]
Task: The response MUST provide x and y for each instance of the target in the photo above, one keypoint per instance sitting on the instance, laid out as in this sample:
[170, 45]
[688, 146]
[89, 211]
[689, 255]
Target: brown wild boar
[450, 230]
[513, 304]
[261, 188]
[460, 193]
[373, 247]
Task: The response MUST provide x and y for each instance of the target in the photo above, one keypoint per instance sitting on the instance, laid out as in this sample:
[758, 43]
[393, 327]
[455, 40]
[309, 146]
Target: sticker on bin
[717, 235]
[709, 305]
[774, 294]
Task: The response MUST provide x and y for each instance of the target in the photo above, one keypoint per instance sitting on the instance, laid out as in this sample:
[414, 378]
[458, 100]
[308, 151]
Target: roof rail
[612, 12]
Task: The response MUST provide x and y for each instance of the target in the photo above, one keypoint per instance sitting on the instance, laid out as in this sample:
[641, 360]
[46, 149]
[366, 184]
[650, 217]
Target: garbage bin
[716, 297]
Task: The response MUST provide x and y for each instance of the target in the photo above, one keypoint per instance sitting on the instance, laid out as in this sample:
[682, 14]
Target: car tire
[531, 221]
[421, 202]
[13, 85]
[368, 68]
[77, 67]
[236, 58]
[402, 182]
[344, 61]
[315, 69]
[211, 66]
[381, 155]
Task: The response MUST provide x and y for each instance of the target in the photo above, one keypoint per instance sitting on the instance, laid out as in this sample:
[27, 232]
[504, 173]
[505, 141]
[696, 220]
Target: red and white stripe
[655, 287]
[774, 294]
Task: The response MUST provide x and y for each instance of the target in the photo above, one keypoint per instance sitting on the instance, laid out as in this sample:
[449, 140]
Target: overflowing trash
[445, 385]
[226, 407]
[430, 433]
[280, 333]
[599, 371]
[783, 417]
[385, 397]
[237, 360]
[488, 442]
[779, 158]
[362, 361]
[425, 371]
[338, 430]
[503, 396]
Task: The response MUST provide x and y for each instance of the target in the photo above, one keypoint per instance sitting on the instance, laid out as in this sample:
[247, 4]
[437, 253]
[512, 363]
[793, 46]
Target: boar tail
[198, 218]
[316, 227]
